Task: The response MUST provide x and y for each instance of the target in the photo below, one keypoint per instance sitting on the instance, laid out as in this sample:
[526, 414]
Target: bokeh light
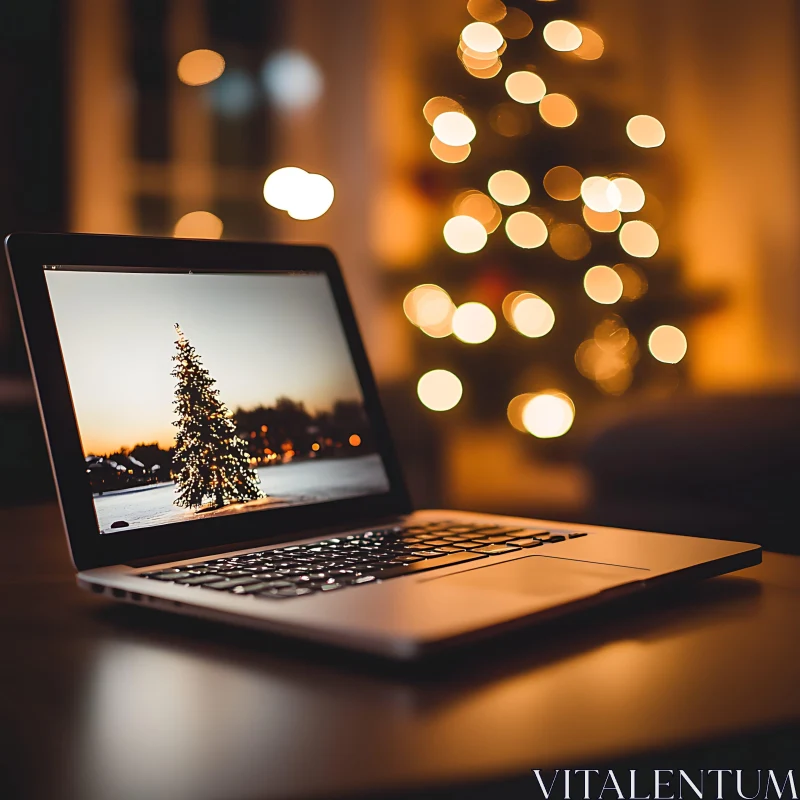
[645, 131]
[668, 344]
[439, 390]
[548, 415]
[482, 37]
[531, 316]
[354, 440]
[484, 73]
[509, 188]
[486, 10]
[447, 153]
[602, 221]
[515, 409]
[199, 67]
[631, 194]
[563, 183]
[439, 105]
[558, 110]
[234, 94]
[292, 80]
[454, 128]
[516, 24]
[314, 200]
[527, 230]
[476, 57]
[639, 239]
[591, 47]
[603, 285]
[570, 241]
[525, 87]
[474, 323]
[473, 203]
[302, 195]
[427, 305]
[608, 358]
[198, 225]
[634, 283]
[465, 234]
[441, 329]
[433, 308]
[283, 187]
[600, 194]
[562, 35]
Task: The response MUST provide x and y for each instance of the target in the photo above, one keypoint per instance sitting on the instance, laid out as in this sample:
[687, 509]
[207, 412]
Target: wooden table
[101, 702]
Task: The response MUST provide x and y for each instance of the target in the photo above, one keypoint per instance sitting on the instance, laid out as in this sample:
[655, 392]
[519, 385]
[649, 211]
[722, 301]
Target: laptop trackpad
[541, 576]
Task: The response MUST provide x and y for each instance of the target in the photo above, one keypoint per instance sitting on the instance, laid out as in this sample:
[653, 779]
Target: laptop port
[97, 588]
[136, 596]
[119, 593]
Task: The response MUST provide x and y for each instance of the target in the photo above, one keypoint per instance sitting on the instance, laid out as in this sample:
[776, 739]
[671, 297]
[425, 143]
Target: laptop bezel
[28, 254]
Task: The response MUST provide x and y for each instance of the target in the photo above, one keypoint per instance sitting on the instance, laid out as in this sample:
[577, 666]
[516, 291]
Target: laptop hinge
[182, 555]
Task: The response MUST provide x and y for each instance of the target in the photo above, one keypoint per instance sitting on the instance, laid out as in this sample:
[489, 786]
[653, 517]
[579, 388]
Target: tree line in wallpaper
[278, 434]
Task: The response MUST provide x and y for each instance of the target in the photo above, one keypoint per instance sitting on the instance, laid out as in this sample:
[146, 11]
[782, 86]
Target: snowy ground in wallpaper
[287, 484]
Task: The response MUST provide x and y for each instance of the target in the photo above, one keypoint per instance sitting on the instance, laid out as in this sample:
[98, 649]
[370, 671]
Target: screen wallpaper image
[203, 395]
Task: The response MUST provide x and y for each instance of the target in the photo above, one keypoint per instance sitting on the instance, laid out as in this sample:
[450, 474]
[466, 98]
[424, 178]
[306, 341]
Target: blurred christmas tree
[548, 296]
[210, 460]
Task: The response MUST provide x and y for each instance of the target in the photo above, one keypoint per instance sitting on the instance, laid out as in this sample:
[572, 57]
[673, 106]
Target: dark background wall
[33, 196]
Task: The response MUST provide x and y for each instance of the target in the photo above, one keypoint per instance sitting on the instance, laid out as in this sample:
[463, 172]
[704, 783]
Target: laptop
[219, 450]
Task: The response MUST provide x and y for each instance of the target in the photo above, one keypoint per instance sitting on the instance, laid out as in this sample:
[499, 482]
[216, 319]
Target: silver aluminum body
[407, 617]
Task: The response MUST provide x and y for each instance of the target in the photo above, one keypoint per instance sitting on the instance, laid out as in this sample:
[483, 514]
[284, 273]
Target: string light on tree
[668, 344]
[465, 234]
[474, 323]
[631, 194]
[525, 87]
[526, 230]
[645, 131]
[548, 415]
[558, 110]
[529, 314]
[439, 390]
[454, 128]
[509, 188]
[567, 179]
[562, 35]
[603, 285]
[639, 239]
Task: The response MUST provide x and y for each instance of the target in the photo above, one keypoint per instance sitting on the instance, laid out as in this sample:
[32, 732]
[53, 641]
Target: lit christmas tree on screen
[211, 462]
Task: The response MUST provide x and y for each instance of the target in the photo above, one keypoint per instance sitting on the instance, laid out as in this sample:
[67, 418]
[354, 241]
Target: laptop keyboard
[355, 559]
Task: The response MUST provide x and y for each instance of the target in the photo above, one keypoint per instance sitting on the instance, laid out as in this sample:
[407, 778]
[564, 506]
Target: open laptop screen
[200, 395]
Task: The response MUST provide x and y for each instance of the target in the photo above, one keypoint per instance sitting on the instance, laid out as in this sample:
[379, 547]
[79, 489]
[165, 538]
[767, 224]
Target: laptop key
[495, 550]
[251, 588]
[447, 560]
[198, 580]
[295, 591]
[525, 543]
[548, 538]
[168, 576]
[225, 586]
[576, 534]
